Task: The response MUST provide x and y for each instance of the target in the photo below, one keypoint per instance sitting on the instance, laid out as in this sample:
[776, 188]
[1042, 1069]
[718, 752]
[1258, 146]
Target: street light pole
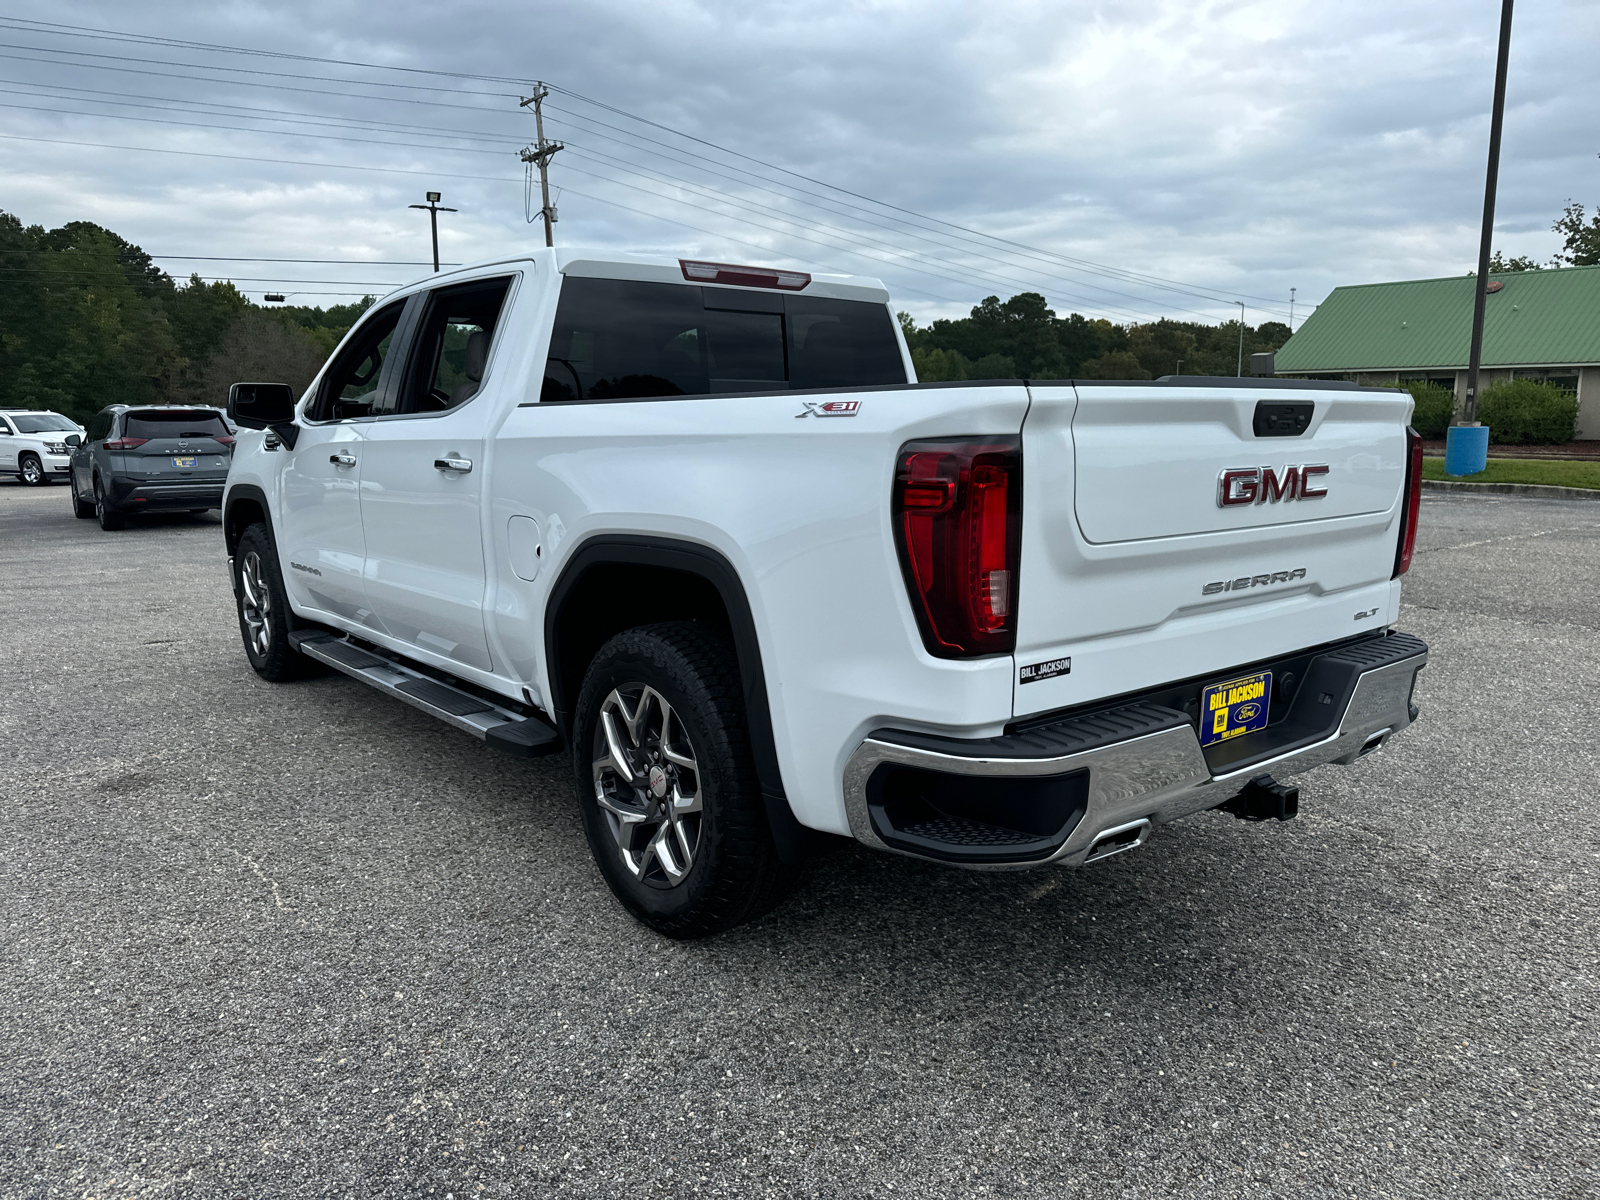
[1469, 412]
[433, 220]
[1240, 303]
[1466, 441]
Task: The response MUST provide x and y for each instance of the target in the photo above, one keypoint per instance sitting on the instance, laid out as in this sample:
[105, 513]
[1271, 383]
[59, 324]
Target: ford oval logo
[1246, 713]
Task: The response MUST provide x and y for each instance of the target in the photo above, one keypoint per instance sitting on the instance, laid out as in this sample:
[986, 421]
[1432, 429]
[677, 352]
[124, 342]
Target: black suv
[148, 459]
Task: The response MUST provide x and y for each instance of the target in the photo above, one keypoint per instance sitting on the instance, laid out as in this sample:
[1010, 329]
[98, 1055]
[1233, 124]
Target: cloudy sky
[1129, 160]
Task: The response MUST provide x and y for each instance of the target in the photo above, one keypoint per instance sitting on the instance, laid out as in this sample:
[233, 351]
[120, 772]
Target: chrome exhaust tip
[1375, 742]
[1118, 838]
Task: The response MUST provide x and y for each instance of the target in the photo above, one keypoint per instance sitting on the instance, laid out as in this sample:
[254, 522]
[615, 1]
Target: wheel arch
[686, 580]
[244, 505]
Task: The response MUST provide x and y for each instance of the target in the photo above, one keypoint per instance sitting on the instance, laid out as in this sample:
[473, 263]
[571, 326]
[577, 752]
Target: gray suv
[149, 459]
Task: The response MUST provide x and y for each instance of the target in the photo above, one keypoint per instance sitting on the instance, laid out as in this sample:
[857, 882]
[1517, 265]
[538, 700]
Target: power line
[248, 112]
[897, 252]
[284, 162]
[73, 271]
[1071, 262]
[335, 262]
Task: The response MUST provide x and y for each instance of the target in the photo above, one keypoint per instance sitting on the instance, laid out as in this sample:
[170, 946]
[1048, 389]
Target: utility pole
[1291, 310]
[542, 152]
[1240, 303]
[433, 220]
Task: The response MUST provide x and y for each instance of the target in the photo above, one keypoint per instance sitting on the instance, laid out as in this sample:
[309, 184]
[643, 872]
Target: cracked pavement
[302, 940]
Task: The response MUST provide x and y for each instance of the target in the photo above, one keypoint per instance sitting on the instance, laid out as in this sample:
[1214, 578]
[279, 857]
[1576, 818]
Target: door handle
[343, 459]
[463, 465]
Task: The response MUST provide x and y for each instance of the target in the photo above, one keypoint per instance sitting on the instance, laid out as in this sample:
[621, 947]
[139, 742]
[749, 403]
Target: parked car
[148, 459]
[698, 526]
[33, 444]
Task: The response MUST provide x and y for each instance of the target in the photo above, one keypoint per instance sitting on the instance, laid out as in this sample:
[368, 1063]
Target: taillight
[1413, 499]
[124, 443]
[223, 439]
[958, 527]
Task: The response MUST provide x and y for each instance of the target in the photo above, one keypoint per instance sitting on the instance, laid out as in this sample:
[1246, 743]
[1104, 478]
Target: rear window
[174, 424]
[616, 339]
[48, 422]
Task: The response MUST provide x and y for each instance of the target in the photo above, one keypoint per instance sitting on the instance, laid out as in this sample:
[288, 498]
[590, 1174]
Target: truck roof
[657, 268]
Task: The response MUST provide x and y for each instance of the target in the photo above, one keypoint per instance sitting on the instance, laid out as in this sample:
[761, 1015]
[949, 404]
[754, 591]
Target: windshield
[175, 424]
[47, 422]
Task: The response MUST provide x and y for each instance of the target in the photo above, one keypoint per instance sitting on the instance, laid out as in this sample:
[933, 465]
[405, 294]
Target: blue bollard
[1466, 449]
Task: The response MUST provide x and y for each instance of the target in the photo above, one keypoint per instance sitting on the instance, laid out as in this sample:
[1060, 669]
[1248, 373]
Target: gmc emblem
[1257, 485]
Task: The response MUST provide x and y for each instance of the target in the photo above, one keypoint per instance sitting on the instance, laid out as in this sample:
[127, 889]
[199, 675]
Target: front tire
[81, 508]
[33, 472]
[667, 785]
[110, 519]
[265, 618]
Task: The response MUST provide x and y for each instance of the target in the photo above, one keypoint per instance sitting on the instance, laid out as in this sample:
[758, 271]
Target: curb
[1541, 491]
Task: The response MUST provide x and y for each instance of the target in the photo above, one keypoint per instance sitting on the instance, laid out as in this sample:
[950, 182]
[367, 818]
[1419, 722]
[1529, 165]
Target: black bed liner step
[526, 737]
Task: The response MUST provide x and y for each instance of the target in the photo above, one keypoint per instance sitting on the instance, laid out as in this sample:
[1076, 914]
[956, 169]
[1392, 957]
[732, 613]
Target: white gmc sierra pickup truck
[696, 525]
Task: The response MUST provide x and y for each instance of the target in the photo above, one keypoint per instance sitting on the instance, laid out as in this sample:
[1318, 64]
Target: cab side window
[99, 427]
[350, 387]
[451, 348]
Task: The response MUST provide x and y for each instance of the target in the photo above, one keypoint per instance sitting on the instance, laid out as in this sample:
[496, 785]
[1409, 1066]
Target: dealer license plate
[1232, 709]
[184, 462]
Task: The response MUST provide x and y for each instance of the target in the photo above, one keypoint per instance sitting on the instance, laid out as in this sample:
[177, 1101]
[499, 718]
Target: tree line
[88, 319]
[1022, 338]
[1580, 245]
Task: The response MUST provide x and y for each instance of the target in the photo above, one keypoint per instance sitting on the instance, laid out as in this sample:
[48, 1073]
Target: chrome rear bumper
[1157, 777]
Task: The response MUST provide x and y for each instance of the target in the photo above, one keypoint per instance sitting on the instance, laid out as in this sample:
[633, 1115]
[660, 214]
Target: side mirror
[260, 405]
[73, 439]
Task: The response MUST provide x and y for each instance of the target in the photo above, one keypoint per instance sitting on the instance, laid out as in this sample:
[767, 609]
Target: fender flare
[234, 494]
[792, 838]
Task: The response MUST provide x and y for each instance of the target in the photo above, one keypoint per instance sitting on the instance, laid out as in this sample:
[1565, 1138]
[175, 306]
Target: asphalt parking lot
[283, 941]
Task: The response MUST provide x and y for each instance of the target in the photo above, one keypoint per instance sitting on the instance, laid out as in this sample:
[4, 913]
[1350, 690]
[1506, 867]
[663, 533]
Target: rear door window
[617, 339]
[174, 424]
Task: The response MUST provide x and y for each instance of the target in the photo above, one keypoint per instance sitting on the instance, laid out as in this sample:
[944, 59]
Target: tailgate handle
[1283, 418]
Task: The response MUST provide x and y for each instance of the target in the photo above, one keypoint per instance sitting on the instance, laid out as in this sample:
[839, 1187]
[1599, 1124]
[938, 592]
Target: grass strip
[1557, 472]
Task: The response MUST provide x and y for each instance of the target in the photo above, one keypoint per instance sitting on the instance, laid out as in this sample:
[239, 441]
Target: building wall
[1589, 404]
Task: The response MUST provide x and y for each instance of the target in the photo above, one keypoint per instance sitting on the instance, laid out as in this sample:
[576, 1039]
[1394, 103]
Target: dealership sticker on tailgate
[1237, 707]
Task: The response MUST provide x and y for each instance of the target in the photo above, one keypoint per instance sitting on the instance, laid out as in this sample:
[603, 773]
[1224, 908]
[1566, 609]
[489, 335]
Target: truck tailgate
[1172, 531]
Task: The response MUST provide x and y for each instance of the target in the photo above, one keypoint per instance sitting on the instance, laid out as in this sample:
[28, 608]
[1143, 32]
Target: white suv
[33, 444]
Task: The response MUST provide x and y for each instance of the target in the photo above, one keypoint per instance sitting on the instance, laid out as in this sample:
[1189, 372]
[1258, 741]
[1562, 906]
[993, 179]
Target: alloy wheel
[32, 472]
[647, 784]
[255, 604]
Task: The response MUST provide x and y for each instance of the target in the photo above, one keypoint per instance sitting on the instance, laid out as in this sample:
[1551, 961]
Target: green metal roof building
[1538, 325]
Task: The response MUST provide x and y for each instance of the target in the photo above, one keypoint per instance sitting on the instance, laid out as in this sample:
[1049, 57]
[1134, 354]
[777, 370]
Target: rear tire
[82, 509]
[32, 470]
[667, 784]
[110, 519]
[265, 618]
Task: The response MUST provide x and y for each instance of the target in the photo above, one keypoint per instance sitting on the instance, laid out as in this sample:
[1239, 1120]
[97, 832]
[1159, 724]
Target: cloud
[1237, 148]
